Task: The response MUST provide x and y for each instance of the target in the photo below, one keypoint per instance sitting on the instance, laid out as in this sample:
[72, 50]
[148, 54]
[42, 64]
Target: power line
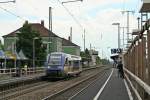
[12, 13]
[128, 20]
[90, 24]
[36, 10]
[71, 15]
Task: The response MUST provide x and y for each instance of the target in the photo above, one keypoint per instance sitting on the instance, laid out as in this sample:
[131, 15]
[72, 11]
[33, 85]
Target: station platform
[108, 87]
[116, 89]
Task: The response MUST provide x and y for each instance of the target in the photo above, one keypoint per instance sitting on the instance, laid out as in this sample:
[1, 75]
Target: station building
[94, 55]
[56, 43]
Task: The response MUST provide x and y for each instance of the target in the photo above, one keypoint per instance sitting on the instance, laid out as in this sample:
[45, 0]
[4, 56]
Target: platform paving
[115, 89]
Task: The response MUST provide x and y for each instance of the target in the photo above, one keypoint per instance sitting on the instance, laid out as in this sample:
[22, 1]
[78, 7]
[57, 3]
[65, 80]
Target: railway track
[8, 94]
[39, 90]
[71, 91]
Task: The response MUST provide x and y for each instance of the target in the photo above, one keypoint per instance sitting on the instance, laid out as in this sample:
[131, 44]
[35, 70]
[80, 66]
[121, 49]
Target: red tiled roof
[66, 42]
[44, 32]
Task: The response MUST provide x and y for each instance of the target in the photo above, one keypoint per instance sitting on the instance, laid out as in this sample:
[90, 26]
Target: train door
[76, 65]
[66, 66]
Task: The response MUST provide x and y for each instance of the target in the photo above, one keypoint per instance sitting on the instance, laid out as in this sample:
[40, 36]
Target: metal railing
[145, 86]
[21, 71]
[137, 61]
[7, 71]
[28, 71]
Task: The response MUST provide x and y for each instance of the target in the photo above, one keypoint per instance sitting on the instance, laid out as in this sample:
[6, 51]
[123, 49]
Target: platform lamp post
[17, 65]
[48, 45]
[35, 38]
[118, 24]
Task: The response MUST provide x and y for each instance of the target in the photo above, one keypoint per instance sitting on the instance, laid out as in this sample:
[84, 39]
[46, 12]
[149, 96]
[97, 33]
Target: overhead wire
[87, 17]
[13, 14]
[8, 11]
[18, 16]
[74, 18]
[34, 8]
[90, 24]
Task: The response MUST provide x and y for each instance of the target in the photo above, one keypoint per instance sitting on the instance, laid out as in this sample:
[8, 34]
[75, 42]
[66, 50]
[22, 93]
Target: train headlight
[49, 67]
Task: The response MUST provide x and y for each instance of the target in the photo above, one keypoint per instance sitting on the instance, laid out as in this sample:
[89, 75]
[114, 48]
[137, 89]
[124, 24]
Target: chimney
[69, 38]
[42, 22]
[71, 34]
[26, 22]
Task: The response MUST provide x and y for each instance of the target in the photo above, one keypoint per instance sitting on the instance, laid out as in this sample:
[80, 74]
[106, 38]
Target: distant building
[70, 48]
[57, 44]
[94, 55]
[46, 35]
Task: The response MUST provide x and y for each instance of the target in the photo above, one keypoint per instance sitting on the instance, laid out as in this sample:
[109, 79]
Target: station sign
[114, 51]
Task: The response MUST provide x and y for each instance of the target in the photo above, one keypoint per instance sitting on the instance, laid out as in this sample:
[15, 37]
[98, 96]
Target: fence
[21, 71]
[137, 62]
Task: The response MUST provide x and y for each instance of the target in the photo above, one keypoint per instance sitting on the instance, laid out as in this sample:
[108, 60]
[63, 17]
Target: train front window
[76, 63]
[55, 60]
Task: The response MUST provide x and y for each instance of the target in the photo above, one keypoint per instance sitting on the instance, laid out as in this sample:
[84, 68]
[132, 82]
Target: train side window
[76, 63]
[70, 63]
[66, 62]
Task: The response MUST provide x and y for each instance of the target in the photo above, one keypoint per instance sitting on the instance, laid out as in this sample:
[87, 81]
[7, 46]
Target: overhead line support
[8, 1]
[71, 1]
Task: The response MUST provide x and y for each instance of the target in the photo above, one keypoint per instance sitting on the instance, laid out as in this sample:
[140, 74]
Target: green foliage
[1, 46]
[105, 61]
[26, 37]
[98, 60]
[82, 54]
[85, 55]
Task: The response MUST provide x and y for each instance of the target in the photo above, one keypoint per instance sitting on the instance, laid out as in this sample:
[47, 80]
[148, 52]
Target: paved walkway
[115, 89]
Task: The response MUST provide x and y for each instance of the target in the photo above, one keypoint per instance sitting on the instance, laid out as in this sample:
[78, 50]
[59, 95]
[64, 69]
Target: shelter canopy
[145, 6]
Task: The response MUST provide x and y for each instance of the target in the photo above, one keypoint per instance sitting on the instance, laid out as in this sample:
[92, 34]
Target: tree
[1, 45]
[85, 54]
[26, 37]
[105, 61]
[86, 57]
[98, 60]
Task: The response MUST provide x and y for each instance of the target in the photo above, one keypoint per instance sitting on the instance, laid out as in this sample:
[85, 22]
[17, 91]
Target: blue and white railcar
[60, 64]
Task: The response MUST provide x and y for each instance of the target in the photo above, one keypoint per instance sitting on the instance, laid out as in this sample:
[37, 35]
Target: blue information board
[113, 51]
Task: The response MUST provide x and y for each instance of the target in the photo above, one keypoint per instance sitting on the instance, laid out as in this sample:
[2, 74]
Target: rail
[139, 81]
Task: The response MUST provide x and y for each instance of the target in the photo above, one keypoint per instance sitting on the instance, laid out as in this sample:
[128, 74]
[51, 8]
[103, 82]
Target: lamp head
[115, 23]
